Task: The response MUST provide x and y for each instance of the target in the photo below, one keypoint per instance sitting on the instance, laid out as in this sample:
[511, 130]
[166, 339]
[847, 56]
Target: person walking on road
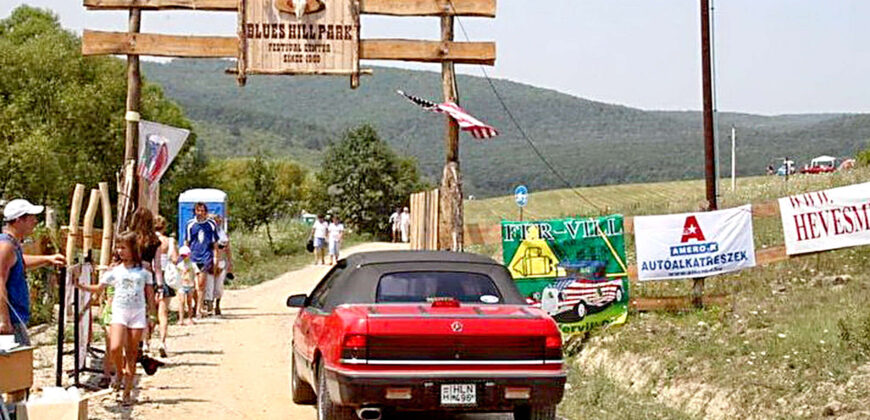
[201, 237]
[148, 244]
[223, 266]
[336, 234]
[168, 255]
[19, 217]
[132, 284]
[394, 224]
[405, 225]
[319, 232]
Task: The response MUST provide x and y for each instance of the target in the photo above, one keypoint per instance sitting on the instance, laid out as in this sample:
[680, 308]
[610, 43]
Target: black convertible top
[355, 278]
[385, 257]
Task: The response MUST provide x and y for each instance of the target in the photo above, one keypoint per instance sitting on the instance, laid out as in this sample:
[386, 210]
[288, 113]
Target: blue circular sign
[521, 195]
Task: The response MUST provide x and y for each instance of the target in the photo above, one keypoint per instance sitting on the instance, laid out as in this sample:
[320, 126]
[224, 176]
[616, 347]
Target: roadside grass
[255, 262]
[793, 337]
[597, 396]
[653, 198]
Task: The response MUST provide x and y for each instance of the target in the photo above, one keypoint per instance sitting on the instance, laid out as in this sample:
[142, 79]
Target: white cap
[184, 251]
[19, 207]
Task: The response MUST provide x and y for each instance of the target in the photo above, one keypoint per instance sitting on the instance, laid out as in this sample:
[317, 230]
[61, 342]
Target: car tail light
[445, 302]
[553, 347]
[354, 347]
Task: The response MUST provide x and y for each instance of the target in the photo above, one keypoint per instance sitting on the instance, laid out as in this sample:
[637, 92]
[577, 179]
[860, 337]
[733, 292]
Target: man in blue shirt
[19, 218]
[202, 238]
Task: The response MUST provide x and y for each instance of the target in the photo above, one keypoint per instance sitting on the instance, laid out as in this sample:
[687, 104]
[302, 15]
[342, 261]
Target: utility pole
[709, 143]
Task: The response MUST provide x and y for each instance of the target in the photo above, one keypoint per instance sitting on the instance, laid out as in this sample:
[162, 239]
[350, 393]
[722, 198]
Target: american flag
[466, 122]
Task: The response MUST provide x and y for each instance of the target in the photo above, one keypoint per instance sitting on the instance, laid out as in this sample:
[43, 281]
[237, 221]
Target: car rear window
[418, 286]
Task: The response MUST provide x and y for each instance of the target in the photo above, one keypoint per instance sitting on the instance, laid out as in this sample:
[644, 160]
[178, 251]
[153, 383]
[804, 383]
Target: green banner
[573, 268]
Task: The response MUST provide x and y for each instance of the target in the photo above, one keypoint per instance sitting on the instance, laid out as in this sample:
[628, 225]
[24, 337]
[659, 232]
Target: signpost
[319, 37]
[521, 197]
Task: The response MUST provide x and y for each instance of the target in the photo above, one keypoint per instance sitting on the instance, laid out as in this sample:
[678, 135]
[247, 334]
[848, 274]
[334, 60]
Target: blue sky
[773, 56]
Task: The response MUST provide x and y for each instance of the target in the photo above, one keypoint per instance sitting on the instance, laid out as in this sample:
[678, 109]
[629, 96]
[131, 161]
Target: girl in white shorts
[132, 284]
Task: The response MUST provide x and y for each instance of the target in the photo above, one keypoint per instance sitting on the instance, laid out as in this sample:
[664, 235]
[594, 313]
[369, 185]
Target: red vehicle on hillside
[423, 331]
[821, 165]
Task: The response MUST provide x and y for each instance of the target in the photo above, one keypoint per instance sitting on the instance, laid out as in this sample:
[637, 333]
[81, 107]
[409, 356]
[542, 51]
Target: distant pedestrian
[336, 234]
[319, 232]
[201, 237]
[394, 224]
[405, 225]
[19, 218]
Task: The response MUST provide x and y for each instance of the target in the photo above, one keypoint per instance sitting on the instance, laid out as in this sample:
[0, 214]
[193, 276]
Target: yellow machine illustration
[534, 258]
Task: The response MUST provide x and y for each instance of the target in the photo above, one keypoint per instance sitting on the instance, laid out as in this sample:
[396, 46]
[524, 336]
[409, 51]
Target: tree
[62, 114]
[362, 180]
[259, 189]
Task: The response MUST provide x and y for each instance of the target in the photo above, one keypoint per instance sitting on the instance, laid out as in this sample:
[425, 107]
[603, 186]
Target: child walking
[132, 284]
[186, 301]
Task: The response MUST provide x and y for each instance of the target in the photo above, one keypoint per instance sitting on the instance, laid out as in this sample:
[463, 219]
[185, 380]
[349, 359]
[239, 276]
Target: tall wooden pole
[132, 117]
[451, 223]
[709, 143]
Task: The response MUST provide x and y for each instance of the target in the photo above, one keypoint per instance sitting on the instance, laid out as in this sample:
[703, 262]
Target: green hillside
[591, 143]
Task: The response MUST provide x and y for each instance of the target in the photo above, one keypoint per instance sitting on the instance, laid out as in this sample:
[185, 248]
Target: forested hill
[588, 142]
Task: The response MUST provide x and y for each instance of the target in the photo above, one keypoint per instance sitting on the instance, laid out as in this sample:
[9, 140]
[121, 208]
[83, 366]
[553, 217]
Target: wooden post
[90, 215]
[74, 213]
[132, 117]
[106, 246]
[242, 61]
[451, 230]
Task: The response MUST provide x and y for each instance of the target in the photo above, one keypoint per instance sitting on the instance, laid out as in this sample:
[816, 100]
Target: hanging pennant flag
[158, 146]
[466, 122]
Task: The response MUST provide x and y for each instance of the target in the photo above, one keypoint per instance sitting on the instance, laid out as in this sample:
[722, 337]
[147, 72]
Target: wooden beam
[482, 8]
[105, 43]
[428, 51]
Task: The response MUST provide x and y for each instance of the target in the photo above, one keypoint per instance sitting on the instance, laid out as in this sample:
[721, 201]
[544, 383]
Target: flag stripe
[466, 122]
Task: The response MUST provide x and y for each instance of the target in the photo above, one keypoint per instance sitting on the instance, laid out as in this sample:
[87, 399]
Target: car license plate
[458, 394]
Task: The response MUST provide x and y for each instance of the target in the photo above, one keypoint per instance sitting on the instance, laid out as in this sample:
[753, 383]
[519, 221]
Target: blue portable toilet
[214, 199]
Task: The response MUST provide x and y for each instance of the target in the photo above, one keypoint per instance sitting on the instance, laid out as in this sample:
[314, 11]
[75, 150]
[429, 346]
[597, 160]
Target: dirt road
[233, 367]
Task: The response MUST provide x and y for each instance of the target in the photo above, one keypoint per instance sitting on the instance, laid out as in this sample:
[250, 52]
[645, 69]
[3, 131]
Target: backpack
[171, 275]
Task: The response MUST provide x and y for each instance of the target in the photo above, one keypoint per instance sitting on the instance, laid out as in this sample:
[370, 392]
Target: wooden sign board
[300, 37]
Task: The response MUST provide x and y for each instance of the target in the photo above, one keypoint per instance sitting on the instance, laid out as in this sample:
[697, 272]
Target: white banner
[828, 219]
[694, 244]
[158, 146]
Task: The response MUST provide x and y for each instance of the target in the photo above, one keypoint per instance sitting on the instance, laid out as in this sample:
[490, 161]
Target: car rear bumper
[347, 387]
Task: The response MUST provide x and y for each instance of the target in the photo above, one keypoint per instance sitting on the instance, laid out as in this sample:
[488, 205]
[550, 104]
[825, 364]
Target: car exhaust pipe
[369, 413]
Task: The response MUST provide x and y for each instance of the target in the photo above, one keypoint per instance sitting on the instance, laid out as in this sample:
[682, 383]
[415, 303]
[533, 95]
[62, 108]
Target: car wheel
[618, 295]
[302, 392]
[535, 412]
[580, 310]
[326, 409]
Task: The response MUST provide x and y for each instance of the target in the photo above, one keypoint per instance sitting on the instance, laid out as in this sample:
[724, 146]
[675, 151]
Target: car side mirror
[296, 301]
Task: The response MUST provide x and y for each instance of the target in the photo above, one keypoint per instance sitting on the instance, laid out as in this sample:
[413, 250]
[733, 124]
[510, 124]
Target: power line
[520, 128]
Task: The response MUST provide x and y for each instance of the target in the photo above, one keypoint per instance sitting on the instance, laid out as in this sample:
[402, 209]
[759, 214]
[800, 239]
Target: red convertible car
[423, 331]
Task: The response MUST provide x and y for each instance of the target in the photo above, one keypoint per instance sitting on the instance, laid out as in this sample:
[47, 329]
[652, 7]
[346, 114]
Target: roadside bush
[855, 335]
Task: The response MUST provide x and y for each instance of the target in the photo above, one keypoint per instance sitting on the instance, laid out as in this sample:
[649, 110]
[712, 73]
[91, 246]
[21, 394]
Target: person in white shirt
[405, 224]
[318, 231]
[336, 232]
[394, 224]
